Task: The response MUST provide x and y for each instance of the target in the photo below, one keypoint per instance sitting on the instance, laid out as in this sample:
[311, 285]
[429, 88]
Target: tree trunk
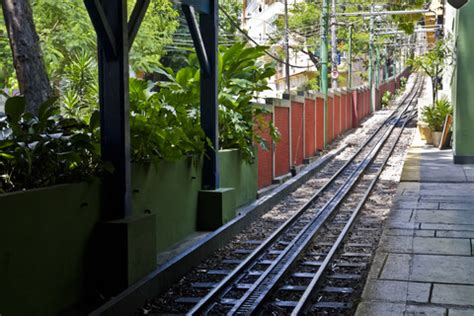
[434, 84]
[27, 57]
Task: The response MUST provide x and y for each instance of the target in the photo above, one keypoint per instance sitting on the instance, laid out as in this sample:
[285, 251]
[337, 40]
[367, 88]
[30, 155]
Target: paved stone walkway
[425, 261]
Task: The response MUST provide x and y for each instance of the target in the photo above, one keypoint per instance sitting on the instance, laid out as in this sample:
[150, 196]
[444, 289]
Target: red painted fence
[346, 109]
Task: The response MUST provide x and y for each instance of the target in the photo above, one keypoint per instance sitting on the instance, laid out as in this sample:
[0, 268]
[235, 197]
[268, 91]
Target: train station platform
[424, 264]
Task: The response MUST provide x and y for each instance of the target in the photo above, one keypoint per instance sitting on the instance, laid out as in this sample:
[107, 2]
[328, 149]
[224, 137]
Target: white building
[258, 20]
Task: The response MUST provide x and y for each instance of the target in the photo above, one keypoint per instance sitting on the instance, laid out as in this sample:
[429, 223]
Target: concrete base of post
[463, 160]
[215, 208]
[124, 251]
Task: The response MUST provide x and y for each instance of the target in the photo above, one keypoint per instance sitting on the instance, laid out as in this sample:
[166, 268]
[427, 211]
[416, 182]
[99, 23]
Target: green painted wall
[44, 233]
[463, 92]
[43, 245]
[168, 190]
[236, 173]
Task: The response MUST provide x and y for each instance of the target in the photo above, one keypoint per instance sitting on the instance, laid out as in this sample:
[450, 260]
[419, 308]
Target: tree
[432, 63]
[27, 57]
[63, 49]
[304, 27]
[65, 31]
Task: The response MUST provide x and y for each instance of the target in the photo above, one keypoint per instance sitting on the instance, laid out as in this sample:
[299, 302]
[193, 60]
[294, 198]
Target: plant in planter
[163, 126]
[165, 117]
[434, 116]
[386, 98]
[45, 149]
[403, 82]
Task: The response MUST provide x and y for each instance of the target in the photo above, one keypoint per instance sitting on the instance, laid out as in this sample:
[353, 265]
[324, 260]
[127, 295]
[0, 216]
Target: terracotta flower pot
[425, 133]
[436, 138]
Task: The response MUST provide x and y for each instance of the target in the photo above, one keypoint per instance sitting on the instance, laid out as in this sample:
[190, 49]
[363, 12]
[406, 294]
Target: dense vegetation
[435, 115]
[433, 63]
[45, 149]
[165, 114]
[61, 142]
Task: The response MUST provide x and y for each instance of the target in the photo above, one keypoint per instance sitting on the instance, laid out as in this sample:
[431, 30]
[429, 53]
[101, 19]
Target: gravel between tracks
[376, 210]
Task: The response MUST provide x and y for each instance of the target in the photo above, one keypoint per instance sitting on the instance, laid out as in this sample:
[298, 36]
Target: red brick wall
[345, 112]
[355, 108]
[368, 102]
[319, 123]
[378, 105]
[297, 133]
[337, 115]
[349, 110]
[282, 151]
[265, 158]
[330, 129]
[310, 126]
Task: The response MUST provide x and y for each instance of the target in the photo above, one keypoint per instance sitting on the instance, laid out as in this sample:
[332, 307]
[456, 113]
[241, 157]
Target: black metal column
[208, 23]
[110, 21]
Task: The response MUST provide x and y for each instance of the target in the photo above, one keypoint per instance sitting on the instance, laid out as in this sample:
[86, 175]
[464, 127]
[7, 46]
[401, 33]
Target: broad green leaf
[15, 107]
[94, 121]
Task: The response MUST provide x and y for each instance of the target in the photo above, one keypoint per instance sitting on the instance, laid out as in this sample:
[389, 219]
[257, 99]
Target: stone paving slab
[444, 217]
[445, 226]
[426, 245]
[453, 294]
[368, 308]
[398, 291]
[460, 312]
[411, 232]
[429, 268]
[454, 233]
[425, 261]
[455, 206]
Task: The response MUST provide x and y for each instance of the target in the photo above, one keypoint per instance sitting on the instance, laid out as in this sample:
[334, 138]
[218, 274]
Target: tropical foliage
[433, 63]
[435, 115]
[165, 116]
[46, 149]
[65, 31]
[386, 98]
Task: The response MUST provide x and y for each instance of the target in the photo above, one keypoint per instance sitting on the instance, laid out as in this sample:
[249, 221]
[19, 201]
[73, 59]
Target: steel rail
[206, 303]
[261, 289]
[304, 304]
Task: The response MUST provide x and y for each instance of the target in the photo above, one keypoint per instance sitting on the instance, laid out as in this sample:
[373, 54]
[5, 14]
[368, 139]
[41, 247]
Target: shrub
[403, 82]
[165, 117]
[61, 144]
[387, 96]
[162, 126]
[47, 149]
[435, 115]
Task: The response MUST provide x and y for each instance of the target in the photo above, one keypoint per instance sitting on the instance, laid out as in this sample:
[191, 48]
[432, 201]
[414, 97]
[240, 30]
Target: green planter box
[46, 234]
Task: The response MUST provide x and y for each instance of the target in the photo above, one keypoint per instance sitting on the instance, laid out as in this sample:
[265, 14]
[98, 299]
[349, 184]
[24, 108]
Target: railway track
[309, 262]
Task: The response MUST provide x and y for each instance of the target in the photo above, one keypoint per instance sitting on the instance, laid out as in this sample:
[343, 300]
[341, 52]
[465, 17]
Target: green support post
[324, 63]
[349, 59]
[371, 61]
[377, 68]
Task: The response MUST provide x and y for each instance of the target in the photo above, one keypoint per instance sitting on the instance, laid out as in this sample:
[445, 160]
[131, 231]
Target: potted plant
[434, 116]
[425, 132]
